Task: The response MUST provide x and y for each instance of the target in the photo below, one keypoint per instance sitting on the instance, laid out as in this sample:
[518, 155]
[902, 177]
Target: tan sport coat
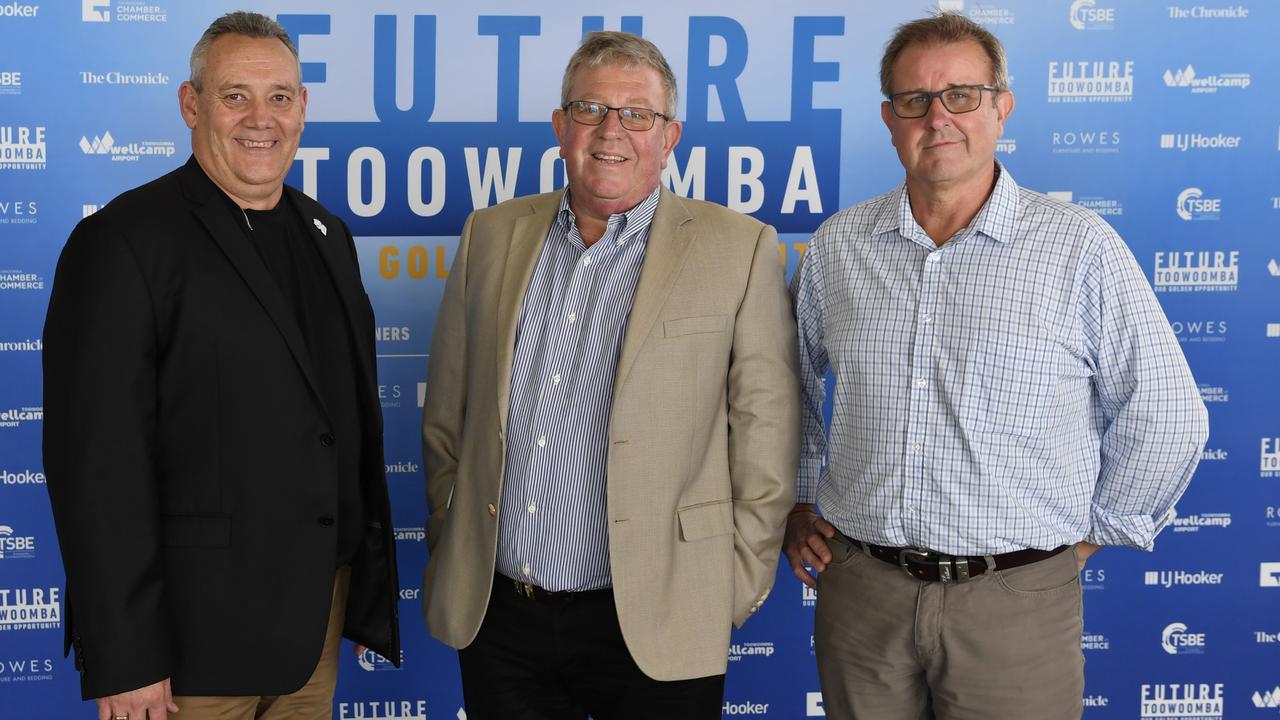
[703, 438]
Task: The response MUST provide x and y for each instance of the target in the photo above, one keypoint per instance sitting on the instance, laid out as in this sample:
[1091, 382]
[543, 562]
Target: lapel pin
[323, 230]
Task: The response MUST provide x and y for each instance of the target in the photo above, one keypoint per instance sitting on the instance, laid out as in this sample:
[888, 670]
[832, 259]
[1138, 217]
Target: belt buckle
[905, 556]
[946, 563]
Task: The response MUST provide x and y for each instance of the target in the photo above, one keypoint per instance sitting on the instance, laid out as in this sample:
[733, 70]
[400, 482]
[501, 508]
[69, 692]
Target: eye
[590, 108]
[282, 98]
[917, 99]
[636, 113]
[233, 97]
[959, 94]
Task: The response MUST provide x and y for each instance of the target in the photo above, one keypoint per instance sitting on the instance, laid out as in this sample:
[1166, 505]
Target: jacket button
[493, 511]
[325, 520]
[327, 440]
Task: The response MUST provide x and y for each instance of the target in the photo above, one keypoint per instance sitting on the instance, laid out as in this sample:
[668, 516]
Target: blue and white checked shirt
[552, 526]
[1017, 387]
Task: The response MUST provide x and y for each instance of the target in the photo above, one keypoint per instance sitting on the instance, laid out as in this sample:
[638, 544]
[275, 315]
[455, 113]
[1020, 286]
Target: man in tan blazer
[611, 426]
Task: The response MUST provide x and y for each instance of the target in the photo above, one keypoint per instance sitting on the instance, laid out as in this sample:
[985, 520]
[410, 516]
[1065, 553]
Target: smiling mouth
[257, 144]
[607, 158]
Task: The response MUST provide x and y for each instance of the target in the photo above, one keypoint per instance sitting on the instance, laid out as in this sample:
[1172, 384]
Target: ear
[302, 96]
[886, 116]
[188, 101]
[560, 126]
[670, 136]
[1004, 107]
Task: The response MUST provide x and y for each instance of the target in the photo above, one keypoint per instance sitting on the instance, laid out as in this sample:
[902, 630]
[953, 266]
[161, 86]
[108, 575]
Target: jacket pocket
[693, 325]
[202, 531]
[706, 520]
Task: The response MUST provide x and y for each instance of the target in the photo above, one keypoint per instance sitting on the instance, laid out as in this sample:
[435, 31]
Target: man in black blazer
[213, 437]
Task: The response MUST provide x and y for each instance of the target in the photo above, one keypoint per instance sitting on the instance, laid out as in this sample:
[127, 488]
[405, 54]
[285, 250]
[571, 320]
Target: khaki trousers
[313, 701]
[1003, 646]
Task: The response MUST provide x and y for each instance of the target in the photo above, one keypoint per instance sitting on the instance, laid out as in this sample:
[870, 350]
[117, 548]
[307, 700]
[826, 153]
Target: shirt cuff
[1135, 531]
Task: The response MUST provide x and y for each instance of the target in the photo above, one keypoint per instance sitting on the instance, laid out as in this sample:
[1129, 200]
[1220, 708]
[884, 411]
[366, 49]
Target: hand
[360, 649]
[1084, 550]
[806, 542]
[152, 702]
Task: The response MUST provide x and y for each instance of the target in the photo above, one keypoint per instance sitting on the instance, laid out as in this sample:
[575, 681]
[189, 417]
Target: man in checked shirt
[1008, 398]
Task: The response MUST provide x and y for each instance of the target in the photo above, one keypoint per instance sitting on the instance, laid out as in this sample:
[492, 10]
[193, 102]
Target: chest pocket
[1010, 380]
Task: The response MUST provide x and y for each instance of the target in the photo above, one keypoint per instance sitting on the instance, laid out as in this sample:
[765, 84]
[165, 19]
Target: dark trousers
[562, 658]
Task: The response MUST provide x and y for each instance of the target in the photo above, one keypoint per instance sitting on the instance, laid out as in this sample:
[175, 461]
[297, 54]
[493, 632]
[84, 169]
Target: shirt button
[926, 317]
[586, 261]
[327, 440]
[542, 441]
[573, 317]
[493, 511]
[533, 507]
[912, 508]
[526, 569]
[933, 258]
[325, 521]
[921, 382]
[619, 242]
[556, 378]
[915, 447]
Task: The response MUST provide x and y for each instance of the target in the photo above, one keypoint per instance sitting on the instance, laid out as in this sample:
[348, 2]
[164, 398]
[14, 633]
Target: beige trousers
[1003, 646]
[313, 701]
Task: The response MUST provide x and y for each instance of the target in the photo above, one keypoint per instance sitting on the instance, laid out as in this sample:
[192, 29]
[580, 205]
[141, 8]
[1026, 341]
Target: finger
[819, 547]
[812, 560]
[827, 529]
[360, 650]
[803, 575]
[104, 709]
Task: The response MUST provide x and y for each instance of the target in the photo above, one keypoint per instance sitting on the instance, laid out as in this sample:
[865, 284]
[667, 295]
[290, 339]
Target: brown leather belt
[931, 566]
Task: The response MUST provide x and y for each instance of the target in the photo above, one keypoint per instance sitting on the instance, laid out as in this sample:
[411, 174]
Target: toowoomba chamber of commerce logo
[20, 280]
[1188, 78]
[124, 11]
[1214, 393]
[983, 13]
[26, 608]
[1182, 701]
[1090, 81]
[105, 144]
[1197, 271]
[22, 147]
[1107, 207]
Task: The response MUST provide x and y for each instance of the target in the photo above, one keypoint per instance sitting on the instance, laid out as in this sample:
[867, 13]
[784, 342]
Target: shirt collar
[632, 221]
[997, 219]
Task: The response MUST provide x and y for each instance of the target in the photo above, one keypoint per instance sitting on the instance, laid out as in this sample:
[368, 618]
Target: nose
[259, 114]
[938, 115]
[612, 125]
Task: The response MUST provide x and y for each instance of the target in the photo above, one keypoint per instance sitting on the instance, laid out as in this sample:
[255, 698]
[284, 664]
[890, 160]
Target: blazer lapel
[670, 238]
[528, 235]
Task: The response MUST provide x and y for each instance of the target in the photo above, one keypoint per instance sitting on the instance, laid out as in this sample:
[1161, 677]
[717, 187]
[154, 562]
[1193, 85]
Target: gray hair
[249, 24]
[945, 28]
[619, 48]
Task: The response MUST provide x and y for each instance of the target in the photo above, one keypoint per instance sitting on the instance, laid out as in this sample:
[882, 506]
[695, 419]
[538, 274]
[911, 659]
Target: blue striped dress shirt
[552, 526]
[1017, 387]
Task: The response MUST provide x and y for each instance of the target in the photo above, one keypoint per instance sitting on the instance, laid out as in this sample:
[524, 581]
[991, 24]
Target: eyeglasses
[956, 99]
[593, 113]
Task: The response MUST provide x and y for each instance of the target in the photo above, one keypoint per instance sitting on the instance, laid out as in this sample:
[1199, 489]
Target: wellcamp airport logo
[14, 417]
[410, 534]
[122, 11]
[1091, 81]
[22, 147]
[383, 710]
[1196, 521]
[738, 651]
[1169, 578]
[1006, 146]
[1184, 142]
[1267, 698]
[1187, 78]
[1181, 701]
[105, 144]
[1197, 271]
[1176, 640]
[1192, 205]
[1089, 15]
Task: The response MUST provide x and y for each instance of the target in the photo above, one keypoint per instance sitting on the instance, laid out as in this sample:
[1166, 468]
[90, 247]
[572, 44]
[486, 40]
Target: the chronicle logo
[13, 547]
[26, 670]
[18, 212]
[1094, 642]
[105, 144]
[100, 11]
[1198, 141]
[1087, 15]
[115, 77]
[1199, 331]
[19, 280]
[1262, 637]
[403, 467]
[28, 345]
[737, 651]
[371, 661]
[10, 82]
[1200, 12]
[383, 710]
[1196, 521]
[1267, 699]
[1175, 640]
[1188, 78]
[1169, 578]
[1090, 81]
[1193, 205]
[1197, 271]
[1086, 142]
[1269, 457]
[22, 147]
[30, 608]
[13, 417]
[1182, 701]
[1100, 205]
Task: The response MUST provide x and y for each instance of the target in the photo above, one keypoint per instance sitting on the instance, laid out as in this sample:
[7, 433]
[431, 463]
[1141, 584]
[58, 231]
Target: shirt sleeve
[807, 294]
[1154, 424]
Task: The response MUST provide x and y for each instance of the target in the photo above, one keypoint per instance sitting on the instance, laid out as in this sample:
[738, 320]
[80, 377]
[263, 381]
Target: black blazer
[189, 456]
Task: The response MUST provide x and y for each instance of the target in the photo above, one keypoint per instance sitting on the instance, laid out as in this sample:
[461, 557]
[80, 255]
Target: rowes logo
[10, 82]
[1101, 205]
[13, 547]
[1086, 15]
[1091, 81]
[19, 280]
[1187, 78]
[21, 477]
[1200, 12]
[1199, 331]
[99, 11]
[1268, 699]
[737, 651]
[1197, 141]
[1182, 701]
[30, 608]
[1094, 642]
[26, 670]
[105, 144]
[1269, 457]
[22, 147]
[371, 661]
[1197, 271]
[1269, 574]
[383, 710]
[1193, 523]
[1193, 205]
[1086, 142]
[13, 417]
[1169, 578]
[1215, 393]
[1177, 641]
[15, 9]
[18, 212]
[1272, 513]
[1093, 578]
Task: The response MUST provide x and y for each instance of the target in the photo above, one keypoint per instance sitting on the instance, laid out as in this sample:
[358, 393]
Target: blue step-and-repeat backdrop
[1161, 115]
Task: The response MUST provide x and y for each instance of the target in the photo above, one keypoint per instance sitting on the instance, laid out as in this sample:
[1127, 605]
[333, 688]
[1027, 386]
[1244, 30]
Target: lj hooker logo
[29, 608]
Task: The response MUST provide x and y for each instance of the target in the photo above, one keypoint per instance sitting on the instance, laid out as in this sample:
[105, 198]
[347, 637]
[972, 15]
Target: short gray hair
[249, 24]
[946, 28]
[609, 47]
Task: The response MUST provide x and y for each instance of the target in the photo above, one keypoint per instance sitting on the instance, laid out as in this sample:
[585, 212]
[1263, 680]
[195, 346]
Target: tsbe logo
[16, 9]
[14, 547]
[1182, 701]
[15, 417]
[745, 708]
[19, 212]
[813, 705]
[1197, 271]
[1188, 78]
[1267, 699]
[1088, 15]
[1198, 141]
[19, 280]
[26, 670]
[1175, 640]
[100, 11]
[1197, 521]
[737, 651]
[1193, 205]
[371, 661]
[383, 710]
[1090, 81]
[1097, 203]
[1200, 12]
[1269, 574]
[1269, 457]
[1215, 394]
[10, 82]
[1169, 578]
[1199, 330]
[411, 534]
[22, 147]
[105, 144]
[1094, 642]
[1085, 142]
[21, 477]
[26, 608]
